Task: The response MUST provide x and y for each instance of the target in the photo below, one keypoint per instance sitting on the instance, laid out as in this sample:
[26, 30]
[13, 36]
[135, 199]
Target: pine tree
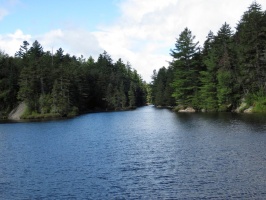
[61, 84]
[168, 90]
[251, 41]
[209, 82]
[122, 95]
[23, 50]
[131, 96]
[9, 72]
[226, 77]
[185, 66]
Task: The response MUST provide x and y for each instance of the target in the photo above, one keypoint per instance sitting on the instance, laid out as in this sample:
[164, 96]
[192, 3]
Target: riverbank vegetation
[229, 70]
[58, 85]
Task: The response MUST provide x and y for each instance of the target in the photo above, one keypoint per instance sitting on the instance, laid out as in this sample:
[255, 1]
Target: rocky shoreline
[17, 112]
[243, 108]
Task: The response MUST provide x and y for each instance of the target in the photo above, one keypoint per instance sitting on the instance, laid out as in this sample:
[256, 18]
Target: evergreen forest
[227, 74]
[59, 85]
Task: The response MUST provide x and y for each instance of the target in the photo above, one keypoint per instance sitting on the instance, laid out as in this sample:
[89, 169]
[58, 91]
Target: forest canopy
[227, 74]
[228, 71]
[58, 84]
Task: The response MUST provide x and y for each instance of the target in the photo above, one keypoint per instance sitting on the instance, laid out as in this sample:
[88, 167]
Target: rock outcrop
[249, 110]
[187, 110]
[16, 113]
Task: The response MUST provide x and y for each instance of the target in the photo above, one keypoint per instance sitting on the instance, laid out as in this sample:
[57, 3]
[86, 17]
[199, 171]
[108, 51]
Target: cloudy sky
[139, 31]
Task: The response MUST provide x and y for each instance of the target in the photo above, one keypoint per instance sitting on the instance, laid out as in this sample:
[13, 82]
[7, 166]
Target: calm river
[148, 153]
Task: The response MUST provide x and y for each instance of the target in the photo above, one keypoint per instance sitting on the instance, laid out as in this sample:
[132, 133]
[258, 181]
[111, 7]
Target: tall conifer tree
[185, 68]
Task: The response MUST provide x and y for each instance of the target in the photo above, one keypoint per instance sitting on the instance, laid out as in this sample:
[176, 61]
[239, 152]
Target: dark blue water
[148, 153]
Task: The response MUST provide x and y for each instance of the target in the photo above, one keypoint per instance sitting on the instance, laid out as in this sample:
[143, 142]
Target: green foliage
[260, 105]
[45, 102]
[131, 96]
[251, 47]
[230, 66]
[23, 50]
[9, 72]
[257, 100]
[26, 113]
[224, 89]
[35, 115]
[61, 85]
[161, 90]
[73, 112]
[185, 64]
[149, 93]
[122, 96]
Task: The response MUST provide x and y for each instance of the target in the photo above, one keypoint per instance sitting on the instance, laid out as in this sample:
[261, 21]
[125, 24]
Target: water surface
[148, 153]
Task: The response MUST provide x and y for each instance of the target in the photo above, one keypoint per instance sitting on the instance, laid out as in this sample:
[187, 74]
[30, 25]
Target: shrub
[258, 100]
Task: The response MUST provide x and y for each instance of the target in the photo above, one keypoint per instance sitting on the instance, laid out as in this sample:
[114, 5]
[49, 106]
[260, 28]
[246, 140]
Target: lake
[147, 153]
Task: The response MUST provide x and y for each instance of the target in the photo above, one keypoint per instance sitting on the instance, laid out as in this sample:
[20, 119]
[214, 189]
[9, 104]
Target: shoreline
[189, 109]
[56, 117]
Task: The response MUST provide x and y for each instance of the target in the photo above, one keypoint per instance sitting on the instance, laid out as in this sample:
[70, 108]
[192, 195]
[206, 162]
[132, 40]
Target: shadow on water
[254, 122]
[7, 121]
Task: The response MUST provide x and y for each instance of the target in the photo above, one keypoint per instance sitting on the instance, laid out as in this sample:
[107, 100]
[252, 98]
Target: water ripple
[144, 154]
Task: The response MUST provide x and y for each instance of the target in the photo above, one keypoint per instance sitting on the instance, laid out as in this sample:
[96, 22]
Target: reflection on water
[148, 153]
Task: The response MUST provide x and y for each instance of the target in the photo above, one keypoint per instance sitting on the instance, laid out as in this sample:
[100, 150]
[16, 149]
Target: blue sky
[139, 31]
[37, 16]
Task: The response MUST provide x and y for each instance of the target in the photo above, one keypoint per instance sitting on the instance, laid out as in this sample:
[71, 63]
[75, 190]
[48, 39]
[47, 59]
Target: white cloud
[144, 33]
[10, 43]
[147, 30]
[75, 42]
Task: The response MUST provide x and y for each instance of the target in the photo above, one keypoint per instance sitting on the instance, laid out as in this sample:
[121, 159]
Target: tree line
[59, 84]
[228, 70]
